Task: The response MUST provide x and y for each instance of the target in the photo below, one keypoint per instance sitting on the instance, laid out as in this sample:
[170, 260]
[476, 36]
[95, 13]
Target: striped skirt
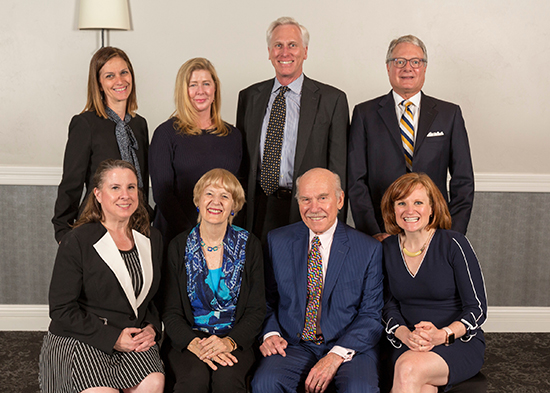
[70, 366]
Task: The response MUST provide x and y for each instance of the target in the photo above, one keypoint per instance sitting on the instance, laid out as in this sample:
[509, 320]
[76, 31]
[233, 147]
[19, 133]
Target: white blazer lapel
[108, 251]
[143, 245]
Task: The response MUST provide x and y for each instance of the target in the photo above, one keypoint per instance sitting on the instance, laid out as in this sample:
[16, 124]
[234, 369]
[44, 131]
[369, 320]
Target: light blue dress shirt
[290, 136]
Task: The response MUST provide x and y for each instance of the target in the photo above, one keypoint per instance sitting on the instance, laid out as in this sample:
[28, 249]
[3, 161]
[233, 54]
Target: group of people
[286, 278]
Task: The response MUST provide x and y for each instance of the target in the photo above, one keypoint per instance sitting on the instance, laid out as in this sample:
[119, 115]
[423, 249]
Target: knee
[406, 371]
[153, 383]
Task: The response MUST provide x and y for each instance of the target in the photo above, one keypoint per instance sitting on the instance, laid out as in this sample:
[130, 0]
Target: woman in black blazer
[107, 128]
[104, 323]
[214, 303]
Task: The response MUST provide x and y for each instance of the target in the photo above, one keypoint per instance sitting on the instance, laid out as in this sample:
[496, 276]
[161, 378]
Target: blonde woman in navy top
[194, 140]
[436, 302]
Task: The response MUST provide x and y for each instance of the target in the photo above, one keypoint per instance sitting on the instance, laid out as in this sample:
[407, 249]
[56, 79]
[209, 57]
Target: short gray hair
[336, 178]
[411, 39]
[286, 20]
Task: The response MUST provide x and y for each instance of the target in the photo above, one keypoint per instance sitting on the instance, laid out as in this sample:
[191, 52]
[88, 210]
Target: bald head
[320, 196]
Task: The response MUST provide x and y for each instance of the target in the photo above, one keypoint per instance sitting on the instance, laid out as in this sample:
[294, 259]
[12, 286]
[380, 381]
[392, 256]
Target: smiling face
[115, 82]
[287, 53]
[215, 205]
[413, 212]
[318, 201]
[407, 81]
[118, 195]
[201, 90]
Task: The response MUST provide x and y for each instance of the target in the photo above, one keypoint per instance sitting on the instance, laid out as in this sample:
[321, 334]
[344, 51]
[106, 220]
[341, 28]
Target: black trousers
[186, 373]
[270, 212]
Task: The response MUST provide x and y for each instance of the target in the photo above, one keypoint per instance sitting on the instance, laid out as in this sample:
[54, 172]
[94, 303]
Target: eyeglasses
[401, 62]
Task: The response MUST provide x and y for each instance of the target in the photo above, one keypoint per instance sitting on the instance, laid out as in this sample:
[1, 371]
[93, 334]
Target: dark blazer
[376, 158]
[91, 140]
[91, 294]
[351, 303]
[321, 141]
[177, 314]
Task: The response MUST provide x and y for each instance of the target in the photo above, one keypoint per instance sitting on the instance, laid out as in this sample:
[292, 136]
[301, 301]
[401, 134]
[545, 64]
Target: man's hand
[322, 373]
[273, 345]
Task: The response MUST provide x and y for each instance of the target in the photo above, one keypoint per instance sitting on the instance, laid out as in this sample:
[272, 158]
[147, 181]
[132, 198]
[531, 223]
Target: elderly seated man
[324, 293]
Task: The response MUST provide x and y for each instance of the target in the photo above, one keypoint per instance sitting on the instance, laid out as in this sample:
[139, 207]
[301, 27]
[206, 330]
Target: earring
[232, 213]
[198, 210]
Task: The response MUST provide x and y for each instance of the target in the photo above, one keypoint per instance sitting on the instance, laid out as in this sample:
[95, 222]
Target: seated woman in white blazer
[104, 326]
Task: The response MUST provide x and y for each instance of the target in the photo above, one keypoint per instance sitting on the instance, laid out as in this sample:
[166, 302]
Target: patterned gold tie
[271, 161]
[314, 290]
[406, 124]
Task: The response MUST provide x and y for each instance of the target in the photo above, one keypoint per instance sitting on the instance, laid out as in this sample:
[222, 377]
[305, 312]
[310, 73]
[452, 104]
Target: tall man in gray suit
[290, 124]
[403, 131]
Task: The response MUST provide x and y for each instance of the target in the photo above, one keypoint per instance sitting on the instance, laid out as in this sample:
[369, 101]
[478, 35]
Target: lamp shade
[104, 14]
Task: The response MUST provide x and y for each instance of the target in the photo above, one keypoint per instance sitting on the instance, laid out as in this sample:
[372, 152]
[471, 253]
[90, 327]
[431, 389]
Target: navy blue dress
[447, 287]
[176, 163]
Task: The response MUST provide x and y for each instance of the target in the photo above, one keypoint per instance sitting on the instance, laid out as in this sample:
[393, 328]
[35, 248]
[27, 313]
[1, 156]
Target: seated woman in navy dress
[436, 301]
[214, 303]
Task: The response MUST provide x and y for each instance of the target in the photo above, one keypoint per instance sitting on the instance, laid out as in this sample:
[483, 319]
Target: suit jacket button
[132, 317]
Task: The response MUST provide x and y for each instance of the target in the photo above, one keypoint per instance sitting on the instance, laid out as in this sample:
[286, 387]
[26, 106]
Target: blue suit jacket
[352, 294]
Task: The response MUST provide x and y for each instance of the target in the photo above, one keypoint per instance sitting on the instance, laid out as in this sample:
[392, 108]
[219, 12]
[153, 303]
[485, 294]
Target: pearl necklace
[211, 249]
[417, 253]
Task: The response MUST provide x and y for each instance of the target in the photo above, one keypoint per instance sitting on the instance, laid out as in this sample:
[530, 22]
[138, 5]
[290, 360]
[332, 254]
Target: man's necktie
[314, 290]
[406, 124]
[271, 161]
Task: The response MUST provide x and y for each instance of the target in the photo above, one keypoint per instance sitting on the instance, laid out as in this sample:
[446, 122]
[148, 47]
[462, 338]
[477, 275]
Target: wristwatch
[450, 336]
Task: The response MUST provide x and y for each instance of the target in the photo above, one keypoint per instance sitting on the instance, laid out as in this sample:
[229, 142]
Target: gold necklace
[417, 253]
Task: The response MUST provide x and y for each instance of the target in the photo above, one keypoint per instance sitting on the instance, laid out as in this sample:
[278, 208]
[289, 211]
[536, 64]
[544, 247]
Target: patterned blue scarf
[215, 312]
[127, 142]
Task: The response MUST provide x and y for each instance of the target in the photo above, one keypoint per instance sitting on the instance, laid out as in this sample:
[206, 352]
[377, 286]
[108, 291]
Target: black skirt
[70, 366]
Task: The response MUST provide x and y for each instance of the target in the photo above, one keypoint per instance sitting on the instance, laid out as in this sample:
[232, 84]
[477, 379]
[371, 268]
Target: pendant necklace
[211, 249]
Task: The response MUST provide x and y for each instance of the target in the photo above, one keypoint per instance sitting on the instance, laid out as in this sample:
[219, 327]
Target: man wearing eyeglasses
[407, 131]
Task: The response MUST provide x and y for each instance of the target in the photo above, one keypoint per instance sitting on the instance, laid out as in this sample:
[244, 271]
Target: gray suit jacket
[322, 135]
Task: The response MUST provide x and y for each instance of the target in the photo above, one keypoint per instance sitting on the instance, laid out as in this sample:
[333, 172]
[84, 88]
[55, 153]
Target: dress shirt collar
[295, 86]
[414, 99]
[325, 238]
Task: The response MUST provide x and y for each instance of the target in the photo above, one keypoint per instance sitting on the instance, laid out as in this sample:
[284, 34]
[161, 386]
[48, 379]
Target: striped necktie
[271, 160]
[314, 290]
[406, 124]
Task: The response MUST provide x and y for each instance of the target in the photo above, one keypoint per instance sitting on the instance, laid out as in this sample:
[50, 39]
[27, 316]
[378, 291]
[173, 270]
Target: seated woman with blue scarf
[214, 303]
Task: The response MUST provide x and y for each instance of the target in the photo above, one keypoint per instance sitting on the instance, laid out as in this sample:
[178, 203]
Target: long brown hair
[96, 98]
[92, 210]
[402, 188]
[187, 118]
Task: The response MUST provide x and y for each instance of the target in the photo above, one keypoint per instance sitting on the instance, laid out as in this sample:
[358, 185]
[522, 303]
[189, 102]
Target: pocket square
[436, 133]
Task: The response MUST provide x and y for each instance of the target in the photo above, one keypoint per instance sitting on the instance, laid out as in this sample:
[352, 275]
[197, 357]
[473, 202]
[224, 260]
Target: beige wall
[489, 56]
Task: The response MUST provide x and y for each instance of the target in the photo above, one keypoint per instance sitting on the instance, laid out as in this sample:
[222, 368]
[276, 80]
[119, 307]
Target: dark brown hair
[402, 188]
[92, 210]
[95, 102]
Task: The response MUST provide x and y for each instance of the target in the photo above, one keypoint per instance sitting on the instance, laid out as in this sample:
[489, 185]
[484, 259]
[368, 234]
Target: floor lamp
[104, 14]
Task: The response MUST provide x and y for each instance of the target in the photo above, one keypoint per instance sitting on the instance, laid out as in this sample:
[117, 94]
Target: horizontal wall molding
[485, 182]
[501, 319]
[30, 176]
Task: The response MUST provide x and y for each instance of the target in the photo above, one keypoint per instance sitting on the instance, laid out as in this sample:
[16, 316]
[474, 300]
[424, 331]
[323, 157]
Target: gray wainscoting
[509, 231]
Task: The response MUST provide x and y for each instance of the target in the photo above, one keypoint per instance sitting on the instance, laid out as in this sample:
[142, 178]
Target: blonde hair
[187, 118]
[402, 188]
[96, 97]
[219, 177]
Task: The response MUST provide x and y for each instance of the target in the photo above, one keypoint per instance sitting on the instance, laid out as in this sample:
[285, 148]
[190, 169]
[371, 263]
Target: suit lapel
[309, 103]
[338, 252]
[259, 101]
[143, 245]
[387, 113]
[108, 251]
[300, 248]
[427, 115]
